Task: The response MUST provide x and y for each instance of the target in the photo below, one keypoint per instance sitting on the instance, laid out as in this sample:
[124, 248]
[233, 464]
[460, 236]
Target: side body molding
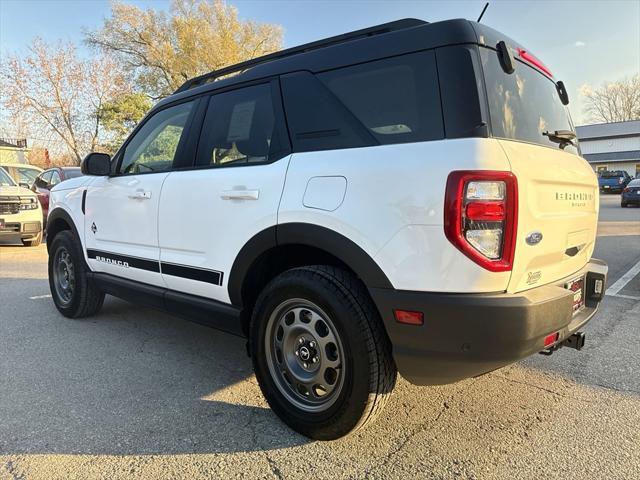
[308, 235]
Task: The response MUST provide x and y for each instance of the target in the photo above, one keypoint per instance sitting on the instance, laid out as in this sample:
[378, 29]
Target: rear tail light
[626, 189]
[480, 216]
[533, 60]
[551, 339]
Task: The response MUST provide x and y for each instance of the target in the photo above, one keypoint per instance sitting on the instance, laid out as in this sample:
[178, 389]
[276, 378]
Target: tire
[73, 292]
[33, 242]
[623, 204]
[339, 325]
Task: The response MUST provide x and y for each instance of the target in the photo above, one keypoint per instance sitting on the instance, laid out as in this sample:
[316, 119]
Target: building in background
[611, 146]
[13, 150]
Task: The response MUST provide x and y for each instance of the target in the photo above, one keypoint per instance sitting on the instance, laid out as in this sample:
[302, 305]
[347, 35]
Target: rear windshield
[611, 174]
[524, 104]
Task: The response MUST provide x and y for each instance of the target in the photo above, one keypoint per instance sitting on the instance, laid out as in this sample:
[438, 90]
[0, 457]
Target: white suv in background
[409, 197]
[20, 212]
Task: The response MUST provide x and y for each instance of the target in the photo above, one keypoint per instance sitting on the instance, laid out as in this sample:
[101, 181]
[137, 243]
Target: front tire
[320, 352]
[73, 292]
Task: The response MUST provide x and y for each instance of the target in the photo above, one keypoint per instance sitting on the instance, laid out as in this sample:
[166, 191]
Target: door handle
[140, 195]
[240, 194]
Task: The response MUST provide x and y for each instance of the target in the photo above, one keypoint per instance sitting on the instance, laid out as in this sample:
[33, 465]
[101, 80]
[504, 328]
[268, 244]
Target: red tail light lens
[626, 189]
[480, 216]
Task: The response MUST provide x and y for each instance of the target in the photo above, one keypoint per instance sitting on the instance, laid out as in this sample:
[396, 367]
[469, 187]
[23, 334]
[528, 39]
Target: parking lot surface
[134, 393]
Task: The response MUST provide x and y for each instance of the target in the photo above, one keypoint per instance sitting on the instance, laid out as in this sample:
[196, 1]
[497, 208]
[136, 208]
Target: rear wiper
[562, 137]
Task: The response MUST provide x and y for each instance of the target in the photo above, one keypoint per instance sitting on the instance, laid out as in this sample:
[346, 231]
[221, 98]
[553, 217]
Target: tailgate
[558, 198]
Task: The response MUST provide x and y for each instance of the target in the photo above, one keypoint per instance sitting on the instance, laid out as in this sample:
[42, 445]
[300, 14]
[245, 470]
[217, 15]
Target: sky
[582, 42]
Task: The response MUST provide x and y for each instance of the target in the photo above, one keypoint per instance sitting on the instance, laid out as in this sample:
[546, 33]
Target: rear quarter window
[396, 99]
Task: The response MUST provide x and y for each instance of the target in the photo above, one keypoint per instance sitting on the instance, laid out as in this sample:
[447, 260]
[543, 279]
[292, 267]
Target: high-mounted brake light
[480, 216]
[533, 60]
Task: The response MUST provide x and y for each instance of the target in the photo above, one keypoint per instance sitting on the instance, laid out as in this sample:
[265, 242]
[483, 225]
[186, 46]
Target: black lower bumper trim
[466, 335]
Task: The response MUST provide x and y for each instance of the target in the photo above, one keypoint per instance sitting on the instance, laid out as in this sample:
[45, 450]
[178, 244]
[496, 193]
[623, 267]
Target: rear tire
[320, 352]
[34, 242]
[73, 292]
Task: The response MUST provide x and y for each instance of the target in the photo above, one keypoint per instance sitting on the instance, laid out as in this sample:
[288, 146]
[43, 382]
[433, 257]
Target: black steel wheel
[320, 351]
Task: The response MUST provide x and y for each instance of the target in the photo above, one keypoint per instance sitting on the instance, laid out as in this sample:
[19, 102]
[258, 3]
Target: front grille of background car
[9, 205]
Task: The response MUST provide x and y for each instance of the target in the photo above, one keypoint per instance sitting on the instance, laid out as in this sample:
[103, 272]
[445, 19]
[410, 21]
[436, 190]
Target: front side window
[153, 147]
[238, 128]
[44, 179]
[55, 178]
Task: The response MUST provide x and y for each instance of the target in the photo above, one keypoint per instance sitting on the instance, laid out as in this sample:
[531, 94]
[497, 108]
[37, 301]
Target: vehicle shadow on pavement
[128, 381]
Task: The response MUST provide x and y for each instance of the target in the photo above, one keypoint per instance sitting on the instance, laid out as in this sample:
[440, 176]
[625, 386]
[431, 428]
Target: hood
[16, 191]
[72, 183]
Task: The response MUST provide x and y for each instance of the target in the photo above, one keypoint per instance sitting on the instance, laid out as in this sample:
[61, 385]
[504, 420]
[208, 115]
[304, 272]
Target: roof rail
[345, 37]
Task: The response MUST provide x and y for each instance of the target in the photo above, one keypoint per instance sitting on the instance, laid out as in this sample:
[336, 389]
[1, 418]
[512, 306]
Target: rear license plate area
[577, 287]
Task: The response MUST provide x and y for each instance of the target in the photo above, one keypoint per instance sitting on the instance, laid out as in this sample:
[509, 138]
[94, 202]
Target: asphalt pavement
[134, 393]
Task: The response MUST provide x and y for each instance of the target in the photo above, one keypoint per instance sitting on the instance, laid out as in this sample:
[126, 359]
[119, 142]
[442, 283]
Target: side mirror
[97, 164]
[24, 185]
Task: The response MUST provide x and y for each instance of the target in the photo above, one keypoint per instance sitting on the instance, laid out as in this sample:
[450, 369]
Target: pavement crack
[544, 389]
[11, 470]
[274, 467]
[416, 431]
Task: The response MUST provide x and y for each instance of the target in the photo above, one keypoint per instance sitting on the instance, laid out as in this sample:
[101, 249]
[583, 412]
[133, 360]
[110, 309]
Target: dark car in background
[631, 194]
[49, 179]
[613, 181]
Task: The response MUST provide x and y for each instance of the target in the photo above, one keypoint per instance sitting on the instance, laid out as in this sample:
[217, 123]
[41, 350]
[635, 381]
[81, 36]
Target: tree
[164, 49]
[613, 102]
[120, 115]
[55, 93]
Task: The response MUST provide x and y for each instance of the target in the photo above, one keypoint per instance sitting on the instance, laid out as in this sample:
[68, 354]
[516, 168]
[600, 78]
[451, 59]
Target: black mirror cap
[507, 62]
[562, 92]
[97, 164]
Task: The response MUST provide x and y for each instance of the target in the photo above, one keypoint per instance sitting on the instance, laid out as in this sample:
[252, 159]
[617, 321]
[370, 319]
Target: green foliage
[120, 115]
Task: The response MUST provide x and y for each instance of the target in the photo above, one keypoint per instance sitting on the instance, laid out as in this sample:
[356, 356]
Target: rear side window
[396, 99]
[239, 128]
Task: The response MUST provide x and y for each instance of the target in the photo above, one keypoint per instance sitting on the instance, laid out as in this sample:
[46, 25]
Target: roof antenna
[483, 10]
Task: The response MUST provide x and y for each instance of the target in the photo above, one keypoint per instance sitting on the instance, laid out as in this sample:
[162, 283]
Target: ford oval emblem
[534, 238]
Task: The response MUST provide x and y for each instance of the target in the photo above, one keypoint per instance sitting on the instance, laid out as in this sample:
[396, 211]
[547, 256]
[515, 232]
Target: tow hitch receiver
[575, 341]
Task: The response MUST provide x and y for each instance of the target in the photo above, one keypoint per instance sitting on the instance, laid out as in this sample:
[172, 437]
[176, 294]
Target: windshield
[611, 174]
[524, 104]
[5, 179]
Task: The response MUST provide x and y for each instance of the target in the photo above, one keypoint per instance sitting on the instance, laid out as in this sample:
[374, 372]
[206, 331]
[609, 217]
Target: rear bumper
[612, 189]
[466, 335]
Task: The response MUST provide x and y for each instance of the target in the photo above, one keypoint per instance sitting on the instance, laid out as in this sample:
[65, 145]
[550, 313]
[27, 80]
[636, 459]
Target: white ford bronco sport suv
[20, 212]
[408, 197]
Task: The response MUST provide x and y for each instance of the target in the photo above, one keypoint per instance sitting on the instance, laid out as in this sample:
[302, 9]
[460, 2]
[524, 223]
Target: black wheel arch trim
[310, 235]
[56, 214]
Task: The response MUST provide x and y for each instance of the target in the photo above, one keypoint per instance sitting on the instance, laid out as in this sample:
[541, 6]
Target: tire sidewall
[348, 408]
[66, 240]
